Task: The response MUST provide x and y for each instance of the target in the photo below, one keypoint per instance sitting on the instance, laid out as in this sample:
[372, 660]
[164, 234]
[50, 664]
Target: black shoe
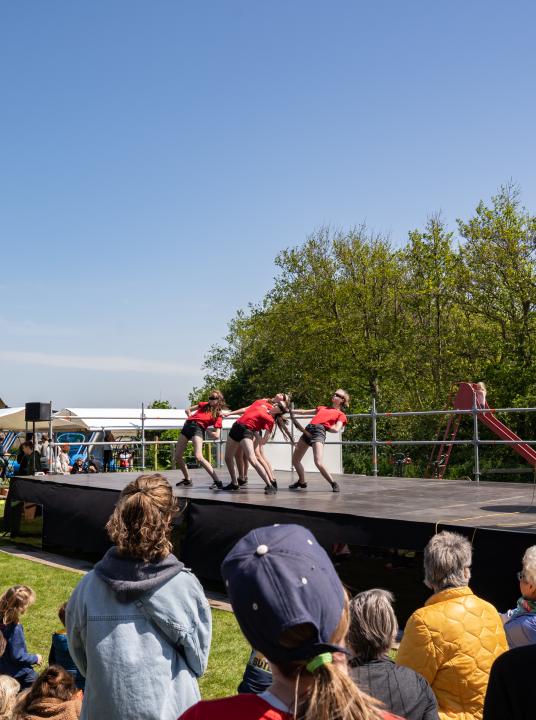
[297, 486]
[274, 483]
[270, 490]
[242, 481]
[335, 487]
[184, 483]
[232, 487]
[216, 485]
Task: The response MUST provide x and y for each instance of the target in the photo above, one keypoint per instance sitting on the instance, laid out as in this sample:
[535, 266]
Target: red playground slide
[464, 401]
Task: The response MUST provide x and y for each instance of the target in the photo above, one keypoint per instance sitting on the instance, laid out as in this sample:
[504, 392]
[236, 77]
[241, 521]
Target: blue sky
[156, 156]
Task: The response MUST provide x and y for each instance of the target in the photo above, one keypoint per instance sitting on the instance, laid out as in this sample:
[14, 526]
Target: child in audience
[9, 688]
[16, 660]
[292, 607]
[59, 652]
[53, 695]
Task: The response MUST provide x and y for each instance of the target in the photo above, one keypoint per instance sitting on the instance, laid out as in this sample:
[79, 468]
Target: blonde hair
[9, 688]
[14, 603]
[140, 525]
[332, 694]
[346, 402]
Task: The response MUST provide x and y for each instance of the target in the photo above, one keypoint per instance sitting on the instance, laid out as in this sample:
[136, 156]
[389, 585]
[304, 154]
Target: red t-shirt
[203, 417]
[257, 416]
[242, 707]
[328, 417]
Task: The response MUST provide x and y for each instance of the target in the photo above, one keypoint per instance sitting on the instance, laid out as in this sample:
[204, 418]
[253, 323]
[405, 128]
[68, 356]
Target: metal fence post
[374, 439]
[476, 469]
[142, 436]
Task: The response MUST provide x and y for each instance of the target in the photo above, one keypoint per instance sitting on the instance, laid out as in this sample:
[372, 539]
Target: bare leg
[180, 447]
[198, 452]
[230, 452]
[318, 454]
[249, 452]
[261, 457]
[299, 451]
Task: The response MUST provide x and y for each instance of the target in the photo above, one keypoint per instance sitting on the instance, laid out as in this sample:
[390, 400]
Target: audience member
[291, 606]
[53, 695]
[9, 689]
[126, 458]
[373, 629]
[149, 636]
[59, 652]
[520, 623]
[16, 660]
[107, 451]
[78, 466]
[453, 640]
[30, 460]
[511, 691]
[63, 461]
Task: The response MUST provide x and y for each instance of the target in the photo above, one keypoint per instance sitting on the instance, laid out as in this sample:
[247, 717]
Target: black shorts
[317, 434]
[239, 432]
[190, 429]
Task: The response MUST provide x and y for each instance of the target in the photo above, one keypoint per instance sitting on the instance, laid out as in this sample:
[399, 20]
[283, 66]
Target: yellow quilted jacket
[453, 642]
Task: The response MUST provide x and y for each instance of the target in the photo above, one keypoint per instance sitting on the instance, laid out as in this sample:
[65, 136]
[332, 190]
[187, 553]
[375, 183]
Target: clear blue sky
[156, 156]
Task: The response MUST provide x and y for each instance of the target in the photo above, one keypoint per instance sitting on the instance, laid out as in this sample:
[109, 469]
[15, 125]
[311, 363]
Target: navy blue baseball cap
[278, 577]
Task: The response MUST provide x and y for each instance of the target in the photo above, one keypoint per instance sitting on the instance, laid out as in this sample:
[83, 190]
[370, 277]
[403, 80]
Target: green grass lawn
[229, 650]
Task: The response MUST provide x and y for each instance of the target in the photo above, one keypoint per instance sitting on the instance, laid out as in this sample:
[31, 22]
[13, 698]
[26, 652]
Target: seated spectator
[511, 691]
[78, 466]
[520, 623]
[16, 660]
[59, 652]
[53, 695]
[9, 689]
[149, 636]
[292, 607]
[453, 640]
[373, 629]
[63, 461]
[257, 674]
[30, 460]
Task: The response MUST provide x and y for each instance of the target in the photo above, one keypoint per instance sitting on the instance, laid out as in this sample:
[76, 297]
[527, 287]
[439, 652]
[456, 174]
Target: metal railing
[375, 442]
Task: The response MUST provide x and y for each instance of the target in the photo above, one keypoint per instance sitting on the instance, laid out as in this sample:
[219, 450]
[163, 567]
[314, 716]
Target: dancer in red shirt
[325, 420]
[260, 415]
[201, 418]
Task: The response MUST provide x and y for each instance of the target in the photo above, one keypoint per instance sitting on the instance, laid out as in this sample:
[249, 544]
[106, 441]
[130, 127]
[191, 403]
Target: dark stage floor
[491, 505]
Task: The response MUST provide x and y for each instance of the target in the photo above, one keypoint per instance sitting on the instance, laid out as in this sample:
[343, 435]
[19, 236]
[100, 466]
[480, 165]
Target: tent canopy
[126, 420]
[13, 419]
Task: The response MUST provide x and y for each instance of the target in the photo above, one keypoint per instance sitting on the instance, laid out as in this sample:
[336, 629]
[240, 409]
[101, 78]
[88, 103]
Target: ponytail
[331, 693]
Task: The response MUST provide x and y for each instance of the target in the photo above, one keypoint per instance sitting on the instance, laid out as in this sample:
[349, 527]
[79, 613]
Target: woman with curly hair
[139, 624]
[53, 695]
[203, 417]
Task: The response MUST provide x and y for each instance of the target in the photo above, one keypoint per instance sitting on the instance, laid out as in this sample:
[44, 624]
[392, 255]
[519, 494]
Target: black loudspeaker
[37, 412]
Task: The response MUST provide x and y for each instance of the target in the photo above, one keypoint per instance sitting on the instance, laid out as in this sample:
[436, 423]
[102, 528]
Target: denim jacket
[140, 634]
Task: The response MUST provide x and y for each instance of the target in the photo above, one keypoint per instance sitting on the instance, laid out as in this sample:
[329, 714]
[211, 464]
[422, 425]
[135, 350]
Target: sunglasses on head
[214, 397]
[341, 397]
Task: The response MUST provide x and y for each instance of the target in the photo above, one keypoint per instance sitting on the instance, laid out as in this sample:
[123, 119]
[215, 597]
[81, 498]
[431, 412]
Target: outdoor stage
[368, 513]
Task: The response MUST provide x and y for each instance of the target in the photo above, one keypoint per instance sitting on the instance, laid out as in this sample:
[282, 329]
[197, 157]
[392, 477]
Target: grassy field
[229, 650]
